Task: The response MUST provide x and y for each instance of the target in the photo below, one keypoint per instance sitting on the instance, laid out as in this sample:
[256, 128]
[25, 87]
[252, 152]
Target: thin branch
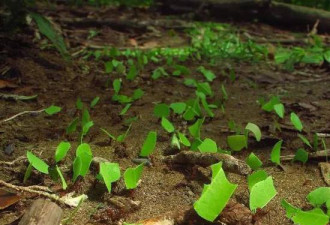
[12, 163]
[22, 113]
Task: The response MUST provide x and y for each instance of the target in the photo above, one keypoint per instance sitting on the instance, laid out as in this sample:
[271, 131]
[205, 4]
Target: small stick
[22, 113]
[32, 190]
[313, 155]
[12, 163]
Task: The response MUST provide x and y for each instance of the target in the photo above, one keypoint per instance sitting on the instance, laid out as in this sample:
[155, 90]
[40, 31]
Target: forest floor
[165, 189]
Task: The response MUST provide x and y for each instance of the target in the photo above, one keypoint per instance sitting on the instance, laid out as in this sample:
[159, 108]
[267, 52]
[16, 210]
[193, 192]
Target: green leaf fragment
[208, 145]
[305, 140]
[215, 195]
[256, 177]
[296, 121]
[79, 104]
[236, 142]
[95, 101]
[195, 129]
[261, 193]
[110, 173]
[64, 184]
[319, 196]
[255, 130]
[178, 107]
[149, 144]
[61, 150]
[51, 110]
[167, 125]
[132, 73]
[132, 176]
[161, 110]
[279, 109]
[312, 217]
[86, 127]
[116, 85]
[269, 106]
[301, 155]
[253, 161]
[137, 94]
[208, 74]
[46, 28]
[183, 139]
[37, 163]
[275, 155]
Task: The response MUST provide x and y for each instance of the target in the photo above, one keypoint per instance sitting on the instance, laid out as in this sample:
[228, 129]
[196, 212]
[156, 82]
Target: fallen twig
[12, 163]
[17, 97]
[229, 163]
[22, 113]
[67, 200]
[313, 155]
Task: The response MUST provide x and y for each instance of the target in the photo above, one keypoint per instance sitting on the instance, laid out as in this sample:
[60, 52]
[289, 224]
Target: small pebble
[146, 161]
[9, 149]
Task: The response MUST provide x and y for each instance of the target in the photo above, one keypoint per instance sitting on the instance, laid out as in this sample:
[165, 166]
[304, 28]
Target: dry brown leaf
[7, 84]
[7, 199]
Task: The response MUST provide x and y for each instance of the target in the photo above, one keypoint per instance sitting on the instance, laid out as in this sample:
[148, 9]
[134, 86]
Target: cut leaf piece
[132, 176]
[255, 130]
[178, 107]
[110, 173]
[61, 150]
[208, 145]
[215, 195]
[95, 101]
[37, 163]
[161, 110]
[167, 125]
[64, 184]
[301, 155]
[296, 121]
[149, 144]
[275, 155]
[279, 109]
[261, 193]
[269, 106]
[290, 209]
[319, 196]
[313, 217]
[305, 140]
[236, 142]
[256, 177]
[183, 139]
[195, 129]
[51, 110]
[253, 161]
[175, 142]
[116, 85]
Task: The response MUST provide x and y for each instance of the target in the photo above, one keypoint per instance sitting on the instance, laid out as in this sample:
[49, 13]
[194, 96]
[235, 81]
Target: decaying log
[275, 13]
[297, 16]
[42, 212]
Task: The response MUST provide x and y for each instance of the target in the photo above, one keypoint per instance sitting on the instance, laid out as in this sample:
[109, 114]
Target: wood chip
[325, 171]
